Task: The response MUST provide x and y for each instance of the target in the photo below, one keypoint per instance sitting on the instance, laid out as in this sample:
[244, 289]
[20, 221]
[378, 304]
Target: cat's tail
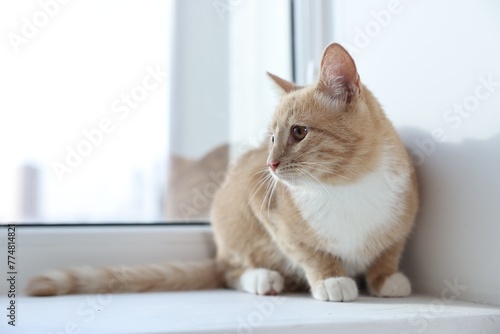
[199, 275]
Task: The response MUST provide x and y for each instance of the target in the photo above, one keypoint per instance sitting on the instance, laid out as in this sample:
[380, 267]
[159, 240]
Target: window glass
[131, 111]
[83, 127]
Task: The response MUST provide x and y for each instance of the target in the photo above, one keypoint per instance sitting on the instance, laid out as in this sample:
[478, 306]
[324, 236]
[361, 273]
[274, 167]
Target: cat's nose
[273, 164]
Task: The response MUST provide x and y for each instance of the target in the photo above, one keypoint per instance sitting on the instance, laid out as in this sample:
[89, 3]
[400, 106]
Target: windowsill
[234, 312]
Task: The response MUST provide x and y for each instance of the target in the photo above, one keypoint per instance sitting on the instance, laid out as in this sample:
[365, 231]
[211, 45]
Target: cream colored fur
[338, 201]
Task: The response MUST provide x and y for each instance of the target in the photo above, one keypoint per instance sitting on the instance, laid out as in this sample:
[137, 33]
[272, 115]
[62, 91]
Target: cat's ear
[338, 75]
[286, 86]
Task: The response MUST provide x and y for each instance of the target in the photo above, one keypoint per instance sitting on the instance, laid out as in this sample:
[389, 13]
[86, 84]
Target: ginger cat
[337, 199]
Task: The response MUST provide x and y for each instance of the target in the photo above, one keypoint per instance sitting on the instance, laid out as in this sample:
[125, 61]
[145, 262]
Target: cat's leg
[384, 279]
[328, 280]
[324, 273]
[260, 281]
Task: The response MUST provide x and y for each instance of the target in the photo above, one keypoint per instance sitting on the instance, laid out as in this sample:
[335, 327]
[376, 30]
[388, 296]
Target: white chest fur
[347, 216]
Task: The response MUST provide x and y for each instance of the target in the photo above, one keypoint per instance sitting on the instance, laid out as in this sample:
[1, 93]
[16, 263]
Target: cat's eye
[298, 132]
[272, 139]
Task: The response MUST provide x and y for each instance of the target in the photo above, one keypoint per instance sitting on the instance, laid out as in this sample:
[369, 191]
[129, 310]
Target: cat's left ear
[338, 77]
[286, 86]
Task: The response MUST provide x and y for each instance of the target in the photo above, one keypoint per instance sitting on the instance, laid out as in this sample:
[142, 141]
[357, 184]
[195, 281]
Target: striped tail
[200, 275]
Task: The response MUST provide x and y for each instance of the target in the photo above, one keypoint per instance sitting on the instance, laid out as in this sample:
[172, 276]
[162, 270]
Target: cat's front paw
[395, 285]
[262, 281]
[335, 289]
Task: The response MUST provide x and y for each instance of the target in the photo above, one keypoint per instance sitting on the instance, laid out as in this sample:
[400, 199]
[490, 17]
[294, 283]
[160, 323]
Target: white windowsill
[40, 249]
[225, 311]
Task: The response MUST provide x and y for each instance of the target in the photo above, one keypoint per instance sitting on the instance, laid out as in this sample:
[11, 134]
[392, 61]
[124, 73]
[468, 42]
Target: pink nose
[273, 164]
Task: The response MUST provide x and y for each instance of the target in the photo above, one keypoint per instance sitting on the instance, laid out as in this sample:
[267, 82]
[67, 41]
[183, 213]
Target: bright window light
[84, 120]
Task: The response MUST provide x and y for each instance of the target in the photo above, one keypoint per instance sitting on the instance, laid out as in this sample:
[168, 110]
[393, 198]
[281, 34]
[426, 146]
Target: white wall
[424, 63]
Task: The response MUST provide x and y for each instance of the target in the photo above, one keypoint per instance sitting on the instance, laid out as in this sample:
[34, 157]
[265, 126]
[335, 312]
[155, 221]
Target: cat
[331, 195]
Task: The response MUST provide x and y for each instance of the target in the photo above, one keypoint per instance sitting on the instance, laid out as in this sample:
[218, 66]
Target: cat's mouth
[295, 174]
[279, 175]
[285, 175]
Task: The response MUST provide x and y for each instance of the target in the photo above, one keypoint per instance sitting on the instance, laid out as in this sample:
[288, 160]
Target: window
[135, 117]
[84, 110]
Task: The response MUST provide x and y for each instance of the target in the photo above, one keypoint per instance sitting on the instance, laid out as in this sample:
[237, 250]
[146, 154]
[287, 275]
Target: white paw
[336, 289]
[396, 285]
[261, 281]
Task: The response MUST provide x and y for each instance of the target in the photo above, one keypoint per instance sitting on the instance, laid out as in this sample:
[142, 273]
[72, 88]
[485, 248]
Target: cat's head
[326, 132]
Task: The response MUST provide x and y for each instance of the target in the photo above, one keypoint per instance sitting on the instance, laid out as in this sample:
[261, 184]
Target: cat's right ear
[338, 76]
[286, 86]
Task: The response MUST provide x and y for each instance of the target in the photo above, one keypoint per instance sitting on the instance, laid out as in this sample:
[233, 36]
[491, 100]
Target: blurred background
[130, 111]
